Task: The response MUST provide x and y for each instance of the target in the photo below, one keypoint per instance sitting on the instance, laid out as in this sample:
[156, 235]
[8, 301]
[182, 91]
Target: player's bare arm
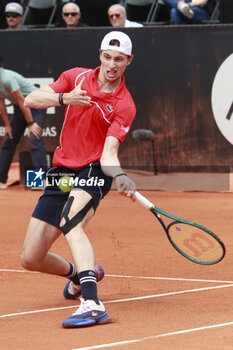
[33, 128]
[5, 118]
[45, 97]
[111, 166]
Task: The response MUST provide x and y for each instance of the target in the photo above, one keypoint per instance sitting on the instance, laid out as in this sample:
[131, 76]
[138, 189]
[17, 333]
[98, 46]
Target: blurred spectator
[118, 18]
[71, 15]
[14, 15]
[14, 87]
[189, 12]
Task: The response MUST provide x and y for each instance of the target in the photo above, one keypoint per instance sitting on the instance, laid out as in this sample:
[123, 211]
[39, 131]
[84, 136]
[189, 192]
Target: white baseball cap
[124, 40]
[14, 7]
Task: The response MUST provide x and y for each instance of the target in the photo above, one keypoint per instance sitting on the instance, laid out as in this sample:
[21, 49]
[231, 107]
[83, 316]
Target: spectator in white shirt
[118, 18]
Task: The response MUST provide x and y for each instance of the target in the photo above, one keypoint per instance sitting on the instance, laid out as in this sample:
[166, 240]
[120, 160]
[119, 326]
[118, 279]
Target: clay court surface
[157, 299]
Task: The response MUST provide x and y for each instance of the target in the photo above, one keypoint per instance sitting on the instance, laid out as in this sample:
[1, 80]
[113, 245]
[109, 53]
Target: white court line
[169, 278]
[102, 346]
[168, 294]
[18, 271]
[38, 311]
[139, 277]
[122, 300]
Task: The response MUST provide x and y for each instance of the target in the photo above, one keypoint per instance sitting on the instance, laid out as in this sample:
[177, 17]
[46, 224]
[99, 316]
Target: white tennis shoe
[3, 186]
[88, 313]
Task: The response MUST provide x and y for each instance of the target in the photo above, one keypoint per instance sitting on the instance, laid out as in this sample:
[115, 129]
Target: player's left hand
[78, 96]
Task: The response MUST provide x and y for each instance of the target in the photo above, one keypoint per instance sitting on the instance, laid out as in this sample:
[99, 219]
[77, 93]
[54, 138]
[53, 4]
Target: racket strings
[195, 243]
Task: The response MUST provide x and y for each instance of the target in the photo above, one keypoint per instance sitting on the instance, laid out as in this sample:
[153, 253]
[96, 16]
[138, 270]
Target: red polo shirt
[85, 129]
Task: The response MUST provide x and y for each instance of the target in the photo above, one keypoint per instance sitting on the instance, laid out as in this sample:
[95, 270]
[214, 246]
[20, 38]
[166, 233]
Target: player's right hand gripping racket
[193, 241]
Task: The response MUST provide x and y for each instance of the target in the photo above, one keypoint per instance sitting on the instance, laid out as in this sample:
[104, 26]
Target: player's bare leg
[35, 256]
[79, 244]
[91, 310]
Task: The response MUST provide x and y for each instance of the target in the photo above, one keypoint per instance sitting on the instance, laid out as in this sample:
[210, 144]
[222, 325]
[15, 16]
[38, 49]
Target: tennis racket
[191, 240]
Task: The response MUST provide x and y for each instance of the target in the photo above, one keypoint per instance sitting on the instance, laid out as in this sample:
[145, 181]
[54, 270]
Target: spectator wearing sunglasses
[14, 15]
[118, 18]
[71, 15]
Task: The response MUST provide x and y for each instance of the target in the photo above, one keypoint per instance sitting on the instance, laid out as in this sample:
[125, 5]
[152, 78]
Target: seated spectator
[118, 17]
[71, 15]
[14, 15]
[189, 12]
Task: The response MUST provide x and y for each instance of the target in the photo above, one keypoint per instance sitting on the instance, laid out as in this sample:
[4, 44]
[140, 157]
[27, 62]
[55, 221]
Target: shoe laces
[88, 305]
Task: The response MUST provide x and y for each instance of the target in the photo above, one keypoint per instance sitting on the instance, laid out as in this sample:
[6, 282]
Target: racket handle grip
[145, 202]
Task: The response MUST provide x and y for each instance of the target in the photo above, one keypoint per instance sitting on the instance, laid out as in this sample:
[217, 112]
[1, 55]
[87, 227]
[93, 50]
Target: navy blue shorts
[90, 178]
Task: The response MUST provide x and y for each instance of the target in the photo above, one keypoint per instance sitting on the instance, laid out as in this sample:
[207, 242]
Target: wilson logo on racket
[197, 240]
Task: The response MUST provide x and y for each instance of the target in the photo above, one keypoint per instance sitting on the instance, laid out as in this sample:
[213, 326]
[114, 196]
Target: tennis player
[99, 113]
